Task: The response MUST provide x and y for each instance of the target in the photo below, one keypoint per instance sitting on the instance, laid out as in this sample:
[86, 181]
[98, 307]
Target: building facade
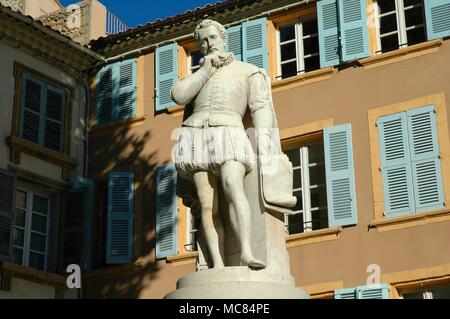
[361, 91]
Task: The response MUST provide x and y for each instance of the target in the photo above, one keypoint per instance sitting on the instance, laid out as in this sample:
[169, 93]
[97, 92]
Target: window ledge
[19, 145]
[113, 271]
[107, 128]
[183, 259]
[411, 221]
[401, 54]
[176, 110]
[302, 79]
[313, 237]
[34, 275]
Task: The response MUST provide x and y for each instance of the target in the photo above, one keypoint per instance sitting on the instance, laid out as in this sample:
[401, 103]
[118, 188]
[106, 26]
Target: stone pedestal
[237, 283]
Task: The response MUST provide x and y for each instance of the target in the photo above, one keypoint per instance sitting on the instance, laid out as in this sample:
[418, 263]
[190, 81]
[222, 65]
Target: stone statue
[214, 153]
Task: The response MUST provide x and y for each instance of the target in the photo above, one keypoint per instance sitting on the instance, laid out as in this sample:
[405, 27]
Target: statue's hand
[209, 64]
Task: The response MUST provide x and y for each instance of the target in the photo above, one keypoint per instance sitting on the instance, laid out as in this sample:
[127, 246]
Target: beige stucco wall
[8, 56]
[23, 289]
[98, 20]
[39, 8]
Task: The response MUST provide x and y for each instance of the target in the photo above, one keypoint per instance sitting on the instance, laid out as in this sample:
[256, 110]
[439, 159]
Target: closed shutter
[234, 43]
[120, 218]
[166, 75]
[32, 96]
[126, 96]
[345, 293]
[254, 39]
[340, 176]
[396, 165]
[329, 47]
[425, 162]
[376, 291]
[353, 26]
[54, 118]
[104, 88]
[437, 13]
[7, 209]
[166, 211]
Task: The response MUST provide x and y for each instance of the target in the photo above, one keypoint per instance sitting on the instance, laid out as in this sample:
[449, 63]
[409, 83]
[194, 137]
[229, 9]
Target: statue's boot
[253, 263]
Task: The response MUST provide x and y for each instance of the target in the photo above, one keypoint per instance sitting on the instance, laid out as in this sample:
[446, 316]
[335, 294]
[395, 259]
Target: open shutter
[54, 118]
[396, 165]
[125, 101]
[166, 211]
[254, 39]
[340, 176]
[377, 291]
[104, 92]
[425, 162]
[75, 207]
[234, 43]
[329, 47]
[353, 27]
[166, 75]
[437, 13]
[345, 293]
[7, 208]
[120, 218]
[32, 97]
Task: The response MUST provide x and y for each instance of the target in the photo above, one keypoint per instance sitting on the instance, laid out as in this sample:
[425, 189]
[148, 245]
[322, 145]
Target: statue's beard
[220, 59]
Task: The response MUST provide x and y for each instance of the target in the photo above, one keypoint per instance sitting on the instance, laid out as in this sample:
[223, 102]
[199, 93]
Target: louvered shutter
[120, 218]
[345, 293]
[254, 39]
[425, 162]
[75, 205]
[7, 209]
[396, 165]
[437, 13]
[166, 211]
[32, 97]
[376, 291]
[166, 75]
[125, 101]
[329, 47]
[54, 118]
[234, 43]
[104, 92]
[353, 27]
[340, 176]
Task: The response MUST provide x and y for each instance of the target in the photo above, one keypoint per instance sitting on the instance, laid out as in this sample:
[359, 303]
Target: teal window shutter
[166, 75]
[33, 93]
[120, 218]
[425, 162]
[437, 13]
[54, 118]
[340, 176]
[328, 23]
[396, 165]
[125, 100]
[166, 211]
[254, 40]
[7, 213]
[234, 43]
[375, 291]
[353, 29]
[104, 93]
[345, 293]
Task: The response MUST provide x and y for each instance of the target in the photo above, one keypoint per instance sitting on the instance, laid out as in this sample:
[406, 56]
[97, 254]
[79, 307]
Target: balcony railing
[114, 25]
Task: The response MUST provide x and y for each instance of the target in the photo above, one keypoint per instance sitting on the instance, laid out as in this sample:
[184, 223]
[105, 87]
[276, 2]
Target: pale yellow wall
[38, 8]
[98, 20]
[8, 56]
[23, 289]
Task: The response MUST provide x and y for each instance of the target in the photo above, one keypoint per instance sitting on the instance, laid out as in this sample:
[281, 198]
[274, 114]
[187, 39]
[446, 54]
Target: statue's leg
[232, 174]
[211, 224]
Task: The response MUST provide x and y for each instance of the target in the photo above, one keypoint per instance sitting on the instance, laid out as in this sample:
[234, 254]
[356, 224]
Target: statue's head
[211, 37]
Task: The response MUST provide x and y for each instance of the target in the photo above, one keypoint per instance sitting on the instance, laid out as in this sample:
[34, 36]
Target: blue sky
[135, 12]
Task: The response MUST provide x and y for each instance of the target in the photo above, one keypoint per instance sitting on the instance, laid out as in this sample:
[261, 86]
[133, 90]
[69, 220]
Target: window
[194, 61]
[42, 113]
[299, 48]
[192, 227]
[30, 230]
[428, 293]
[410, 162]
[401, 23]
[309, 187]
[116, 92]
[376, 291]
